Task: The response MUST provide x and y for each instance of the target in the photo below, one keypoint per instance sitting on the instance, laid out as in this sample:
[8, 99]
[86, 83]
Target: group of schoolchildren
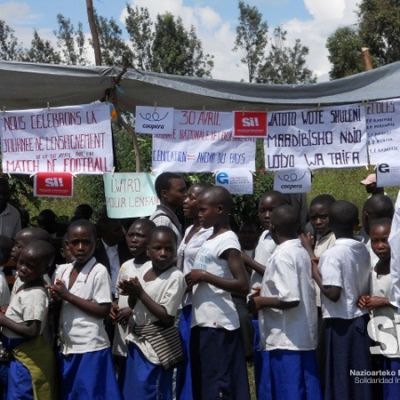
[310, 292]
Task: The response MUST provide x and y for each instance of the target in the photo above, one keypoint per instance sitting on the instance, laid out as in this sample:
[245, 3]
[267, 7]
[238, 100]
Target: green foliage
[10, 48]
[41, 51]
[251, 38]
[285, 64]
[344, 47]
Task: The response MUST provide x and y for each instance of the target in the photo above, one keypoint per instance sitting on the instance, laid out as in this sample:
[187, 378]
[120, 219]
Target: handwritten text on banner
[73, 139]
[331, 137]
[202, 141]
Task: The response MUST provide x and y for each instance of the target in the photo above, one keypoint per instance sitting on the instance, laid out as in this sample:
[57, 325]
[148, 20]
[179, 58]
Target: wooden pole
[367, 60]
[94, 31]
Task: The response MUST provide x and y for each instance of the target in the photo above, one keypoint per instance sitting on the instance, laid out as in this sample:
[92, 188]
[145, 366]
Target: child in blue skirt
[217, 353]
[154, 345]
[288, 314]
[84, 288]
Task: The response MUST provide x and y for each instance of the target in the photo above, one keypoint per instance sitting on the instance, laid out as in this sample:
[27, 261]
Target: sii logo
[54, 182]
[250, 122]
[222, 178]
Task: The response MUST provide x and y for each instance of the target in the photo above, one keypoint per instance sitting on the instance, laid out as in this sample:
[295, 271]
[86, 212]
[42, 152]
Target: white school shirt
[187, 253]
[113, 257]
[264, 249]
[381, 286]
[4, 290]
[288, 278]
[79, 331]
[129, 269]
[29, 304]
[167, 290]
[394, 240]
[213, 307]
[10, 221]
[346, 265]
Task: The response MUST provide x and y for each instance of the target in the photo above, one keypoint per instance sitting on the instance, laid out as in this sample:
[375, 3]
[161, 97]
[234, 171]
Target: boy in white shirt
[343, 275]
[84, 287]
[217, 354]
[288, 314]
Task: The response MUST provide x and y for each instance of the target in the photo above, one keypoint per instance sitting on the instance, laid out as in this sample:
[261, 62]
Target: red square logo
[53, 184]
[250, 124]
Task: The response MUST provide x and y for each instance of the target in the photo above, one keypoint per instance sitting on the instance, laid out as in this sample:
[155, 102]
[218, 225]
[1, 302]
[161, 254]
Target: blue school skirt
[88, 376]
[346, 348]
[184, 373]
[145, 380]
[218, 365]
[391, 391]
[293, 375]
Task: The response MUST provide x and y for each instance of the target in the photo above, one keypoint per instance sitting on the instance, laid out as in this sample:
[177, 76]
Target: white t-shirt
[288, 278]
[213, 307]
[167, 290]
[79, 331]
[265, 248]
[346, 265]
[129, 269]
[187, 252]
[29, 304]
[4, 290]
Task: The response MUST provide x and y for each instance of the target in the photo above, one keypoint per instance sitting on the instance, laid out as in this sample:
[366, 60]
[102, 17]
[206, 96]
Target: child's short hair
[163, 182]
[164, 229]
[43, 250]
[325, 200]
[343, 215]
[145, 222]
[6, 245]
[380, 222]
[274, 194]
[219, 195]
[285, 220]
[84, 223]
[379, 206]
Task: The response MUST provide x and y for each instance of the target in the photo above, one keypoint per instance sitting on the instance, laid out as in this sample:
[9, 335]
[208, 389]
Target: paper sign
[50, 184]
[250, 124]
[237, 181]
[330, 137]
[293, 181]
[387, 175]
[130, 194]
[154, 120]
[202, 141]
[383, 128]
[74, 139]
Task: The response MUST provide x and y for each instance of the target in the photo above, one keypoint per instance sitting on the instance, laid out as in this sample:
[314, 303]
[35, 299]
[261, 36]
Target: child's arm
[27, 329]
[239, 283]
[92, 308]
[253, 264]
[373, 302]
[331, 292]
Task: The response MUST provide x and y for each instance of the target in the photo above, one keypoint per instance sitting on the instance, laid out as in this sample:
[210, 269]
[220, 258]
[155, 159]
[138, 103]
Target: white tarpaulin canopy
[27, 85]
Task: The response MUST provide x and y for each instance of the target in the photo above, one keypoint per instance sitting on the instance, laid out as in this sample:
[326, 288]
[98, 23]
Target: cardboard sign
[53, 184]
[130, 194]
[293, 181]
[387, 175]
[250, 124]
[154, 120]
[237, 181]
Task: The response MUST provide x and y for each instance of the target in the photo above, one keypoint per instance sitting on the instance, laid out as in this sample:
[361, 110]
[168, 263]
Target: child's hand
[376, 302]
[253, 302]
[59, 290]
[3, 309]
[123, 316]
[363, 301]
[131, 287]
[114, 311]
[195, 276]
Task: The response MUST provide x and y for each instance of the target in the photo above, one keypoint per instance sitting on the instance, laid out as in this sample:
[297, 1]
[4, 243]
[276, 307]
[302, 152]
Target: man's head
[170, 189]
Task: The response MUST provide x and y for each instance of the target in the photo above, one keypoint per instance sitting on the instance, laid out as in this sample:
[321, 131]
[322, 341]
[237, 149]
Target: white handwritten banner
[152, 120]
[383, 128]
[202, 141]
[293, 181]
[130, 194]
[237, 181]
[330, 137]
[73, 139]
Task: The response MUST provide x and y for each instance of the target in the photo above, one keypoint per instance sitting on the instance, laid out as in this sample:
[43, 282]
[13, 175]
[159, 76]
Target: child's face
[190, 203]
[162, 250]
[265, 208]
[319, 218]
[21, 240]
[29, 266]
[137, 239]
[176, 193]
[379, 236]
[209, 213]
[81, 243]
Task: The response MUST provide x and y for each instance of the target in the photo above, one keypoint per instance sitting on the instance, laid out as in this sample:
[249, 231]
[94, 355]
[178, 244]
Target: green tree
[70, 41]
[10, 48]
[285, 64]
[41, 51]
[380, 29]
[344, 47]
[251, 38]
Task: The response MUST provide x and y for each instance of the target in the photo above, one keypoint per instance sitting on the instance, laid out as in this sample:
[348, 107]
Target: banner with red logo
[53, 184]
[250, 124]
